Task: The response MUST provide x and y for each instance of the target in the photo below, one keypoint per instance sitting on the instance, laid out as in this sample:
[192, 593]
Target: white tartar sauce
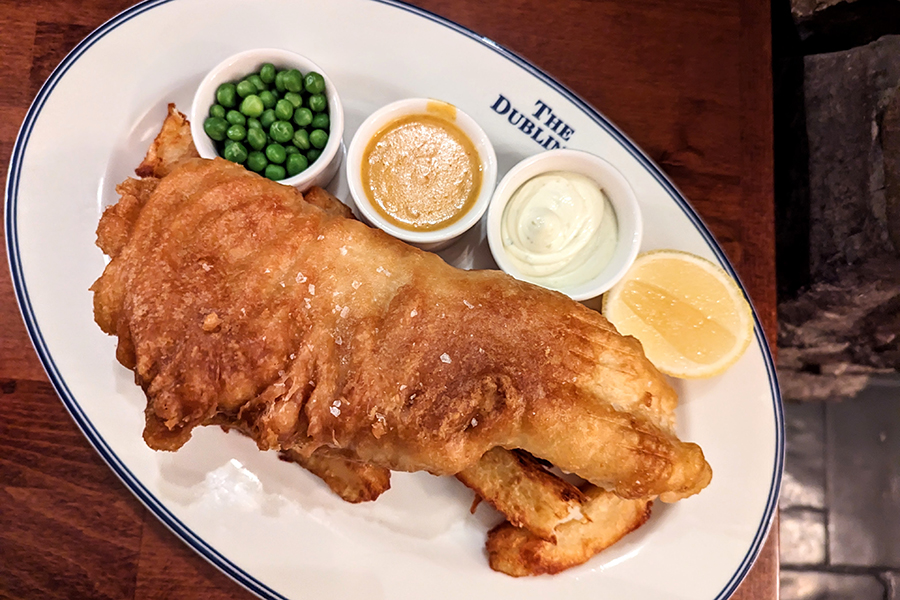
[559, 229]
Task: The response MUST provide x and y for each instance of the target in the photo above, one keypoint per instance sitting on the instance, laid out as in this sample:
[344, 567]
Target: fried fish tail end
[173, 145]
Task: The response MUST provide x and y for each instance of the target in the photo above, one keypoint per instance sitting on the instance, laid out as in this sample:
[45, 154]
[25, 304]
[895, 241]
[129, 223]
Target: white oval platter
[270, 525]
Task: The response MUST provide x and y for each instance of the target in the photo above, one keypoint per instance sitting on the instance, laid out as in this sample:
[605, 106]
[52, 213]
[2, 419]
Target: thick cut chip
[527, 494]
[608, 518]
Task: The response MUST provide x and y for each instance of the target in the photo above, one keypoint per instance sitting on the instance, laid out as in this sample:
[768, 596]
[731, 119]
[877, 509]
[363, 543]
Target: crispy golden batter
[351, 480]
[319, 197]
[235, 298]
[518, 552]
[172, 145]
[519, 487]
[115, 225]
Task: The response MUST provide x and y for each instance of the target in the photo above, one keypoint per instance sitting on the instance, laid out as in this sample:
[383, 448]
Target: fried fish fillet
[234, 297]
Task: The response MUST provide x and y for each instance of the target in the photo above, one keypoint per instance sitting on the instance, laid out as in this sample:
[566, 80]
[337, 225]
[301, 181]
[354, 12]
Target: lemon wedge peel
[691, 317]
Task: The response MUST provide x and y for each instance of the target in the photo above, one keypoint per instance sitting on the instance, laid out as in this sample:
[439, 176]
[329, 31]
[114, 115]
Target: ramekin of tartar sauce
[422, 170]
[566, 220]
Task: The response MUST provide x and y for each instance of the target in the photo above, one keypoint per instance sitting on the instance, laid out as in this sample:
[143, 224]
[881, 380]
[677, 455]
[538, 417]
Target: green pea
[267, 73]
[235, 152]
[281, 131]
[252, 106]
[267, 119]
[276, 153]
[317, 103]
[284, 110]
[268, 98]
[257, 82]
[236, 132]
[279, 81]
[318, 138]
[215, 128]
[320, 121]
[303, 117]
[275, 172]
[293, 81]
[301, 139]
[256, 137]
[217, 110]
[235, 118]
[312, 154]
[226, 95]
[314, 83]
[296, 163]
[253, 123]
[291, 149]
[256, 161]
[294, 98]
[244, 88]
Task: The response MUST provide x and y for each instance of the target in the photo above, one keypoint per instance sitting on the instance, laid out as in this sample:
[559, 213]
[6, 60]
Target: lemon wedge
[689, 314]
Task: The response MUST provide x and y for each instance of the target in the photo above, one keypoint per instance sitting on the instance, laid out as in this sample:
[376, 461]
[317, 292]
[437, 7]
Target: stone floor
[840, 501]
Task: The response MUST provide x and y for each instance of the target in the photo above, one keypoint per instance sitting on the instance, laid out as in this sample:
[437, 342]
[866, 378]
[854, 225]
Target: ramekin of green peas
[273, 111]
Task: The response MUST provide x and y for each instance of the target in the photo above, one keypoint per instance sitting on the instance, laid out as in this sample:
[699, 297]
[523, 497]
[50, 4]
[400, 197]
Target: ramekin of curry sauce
[421, 170]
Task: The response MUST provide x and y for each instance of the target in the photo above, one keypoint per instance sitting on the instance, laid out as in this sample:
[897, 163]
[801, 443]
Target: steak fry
[527, 494]
[518, 552]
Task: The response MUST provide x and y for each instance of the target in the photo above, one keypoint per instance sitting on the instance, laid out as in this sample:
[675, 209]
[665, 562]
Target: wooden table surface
[688, 80]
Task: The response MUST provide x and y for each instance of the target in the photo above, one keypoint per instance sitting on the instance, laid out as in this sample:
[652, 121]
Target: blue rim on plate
[144, 495]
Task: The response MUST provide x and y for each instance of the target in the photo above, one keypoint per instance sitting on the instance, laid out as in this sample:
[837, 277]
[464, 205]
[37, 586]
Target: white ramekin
[615, 187]
[237, 66]
[427, 240]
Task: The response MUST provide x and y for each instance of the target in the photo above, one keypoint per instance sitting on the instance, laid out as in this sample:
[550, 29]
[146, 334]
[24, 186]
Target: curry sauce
[421, 172]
